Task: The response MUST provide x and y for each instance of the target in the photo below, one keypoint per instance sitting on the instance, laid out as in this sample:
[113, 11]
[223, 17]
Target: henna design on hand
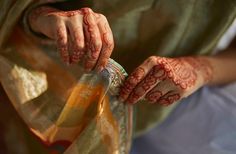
[168, 100]
[178, 71]
[93, 38]
[131, 82]
[45, 10]
[201, 64]
[62, 44]
[184, 75]
[77, 55]
[154, 96]
[78, 49]
[108, 42]
[98, 35]
[156, 75]
[69, 13]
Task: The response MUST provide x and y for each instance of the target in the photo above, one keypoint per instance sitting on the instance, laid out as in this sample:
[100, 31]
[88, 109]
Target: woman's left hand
[166, 80]
[80, 35]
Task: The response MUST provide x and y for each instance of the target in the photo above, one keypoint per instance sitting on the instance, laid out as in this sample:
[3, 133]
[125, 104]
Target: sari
[67, 110]
[183, 27]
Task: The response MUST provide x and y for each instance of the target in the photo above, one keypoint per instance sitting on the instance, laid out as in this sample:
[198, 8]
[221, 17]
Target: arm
[167, 80]
[224, 66]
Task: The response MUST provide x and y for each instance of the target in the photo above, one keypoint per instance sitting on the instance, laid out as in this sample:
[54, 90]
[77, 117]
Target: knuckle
[105, 55]
[61, 42]
[131, 82]
[152, 60]
[109, 44]
[98, 44]
[174, 99]
[160, 60]
[102, 17]
[87, 10]
[80, 46]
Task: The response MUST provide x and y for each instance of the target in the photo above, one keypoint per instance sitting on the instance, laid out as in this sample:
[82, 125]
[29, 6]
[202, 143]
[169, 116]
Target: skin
[83, 35]
[80, 35]
[166, 80]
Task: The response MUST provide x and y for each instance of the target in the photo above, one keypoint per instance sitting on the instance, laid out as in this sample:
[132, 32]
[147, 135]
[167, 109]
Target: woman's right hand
[81, 35]
[165, 80]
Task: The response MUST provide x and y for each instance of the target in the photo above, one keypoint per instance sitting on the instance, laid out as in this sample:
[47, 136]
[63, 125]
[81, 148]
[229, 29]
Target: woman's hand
[81, 35]
[166, 80]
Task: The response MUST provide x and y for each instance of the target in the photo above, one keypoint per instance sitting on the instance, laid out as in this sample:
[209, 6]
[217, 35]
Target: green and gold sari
[66, 110]
[56, 108]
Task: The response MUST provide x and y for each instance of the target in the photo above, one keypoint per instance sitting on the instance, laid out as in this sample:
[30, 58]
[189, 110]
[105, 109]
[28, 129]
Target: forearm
[224, 67]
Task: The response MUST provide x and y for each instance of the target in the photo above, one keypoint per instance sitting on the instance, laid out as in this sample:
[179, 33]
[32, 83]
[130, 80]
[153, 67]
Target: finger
[107, 43]
[158, 91]
[169, 98]
[136, 77]
[93, 39]
[76, 38]
[69, 45]
[154, 77]
[61, 39]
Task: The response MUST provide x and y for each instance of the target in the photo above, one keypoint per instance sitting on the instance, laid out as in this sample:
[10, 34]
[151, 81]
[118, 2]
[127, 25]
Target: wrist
[203, 67]
[224, 70]
[36, 15]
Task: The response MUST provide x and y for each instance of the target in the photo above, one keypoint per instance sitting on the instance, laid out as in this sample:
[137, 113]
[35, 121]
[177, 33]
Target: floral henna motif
[62, 44]
[156, 74]
[169, 99]
[107, 48]
[98, 35]
[179, 71]
[131, 82]
[77, 55]
[184, 75]
[69, 13]
[107, 39]
[201, 64]
[53, 11]
[78, 47]
[93, 42]
[153, 96]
